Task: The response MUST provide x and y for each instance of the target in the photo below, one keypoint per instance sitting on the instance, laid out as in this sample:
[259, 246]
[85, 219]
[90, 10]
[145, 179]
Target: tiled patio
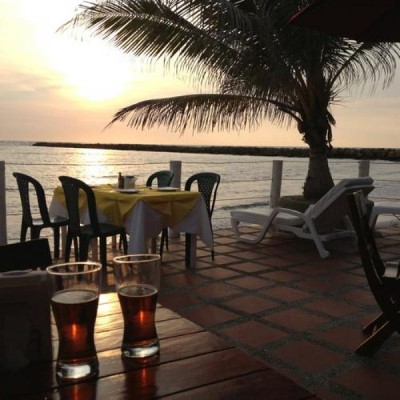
[281, 302]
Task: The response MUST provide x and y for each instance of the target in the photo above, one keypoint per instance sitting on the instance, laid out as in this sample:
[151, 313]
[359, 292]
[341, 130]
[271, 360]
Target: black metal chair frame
[86, 232]
[383, 280]
[36, 224]
[30, 254]
[207, 183]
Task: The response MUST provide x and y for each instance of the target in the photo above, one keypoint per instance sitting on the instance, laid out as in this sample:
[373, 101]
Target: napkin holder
[25, 327]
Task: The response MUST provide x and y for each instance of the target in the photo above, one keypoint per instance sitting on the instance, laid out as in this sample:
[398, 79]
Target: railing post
[276, 183]
[363, 168]
[3, 217]
[176, 168]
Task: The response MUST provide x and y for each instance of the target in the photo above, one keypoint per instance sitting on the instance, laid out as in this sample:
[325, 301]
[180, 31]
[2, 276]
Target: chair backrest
[207, 183]
[330, 209]
[24, 182]
[164, 178]
[30, 254]
[385, 290]
[72, 187]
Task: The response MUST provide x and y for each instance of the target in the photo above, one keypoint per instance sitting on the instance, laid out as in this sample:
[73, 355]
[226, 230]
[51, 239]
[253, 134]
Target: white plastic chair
[320, 222]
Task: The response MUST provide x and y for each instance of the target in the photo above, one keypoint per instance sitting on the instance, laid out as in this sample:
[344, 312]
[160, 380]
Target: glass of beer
[137, 280]
[75, 289]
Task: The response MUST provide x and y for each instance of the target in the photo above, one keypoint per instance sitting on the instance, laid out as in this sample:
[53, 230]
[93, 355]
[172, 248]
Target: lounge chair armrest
[249, 217]
[291, 212]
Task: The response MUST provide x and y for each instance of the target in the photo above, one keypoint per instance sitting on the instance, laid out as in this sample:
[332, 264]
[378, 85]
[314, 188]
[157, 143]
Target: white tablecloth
[144, 222]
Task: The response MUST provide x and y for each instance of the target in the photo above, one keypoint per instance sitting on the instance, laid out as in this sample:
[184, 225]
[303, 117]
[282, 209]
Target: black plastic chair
[36, 224]
[30, 254]
[86, 232]
[207, 184]
[383, 279]
[164, 178]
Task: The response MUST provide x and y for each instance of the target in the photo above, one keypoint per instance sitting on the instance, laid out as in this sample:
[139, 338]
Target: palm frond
[369, 62]
[258, 66]
[200, 112]
[198, 37]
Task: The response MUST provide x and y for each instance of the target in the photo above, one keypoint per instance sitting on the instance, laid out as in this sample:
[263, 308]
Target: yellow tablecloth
[116, 206]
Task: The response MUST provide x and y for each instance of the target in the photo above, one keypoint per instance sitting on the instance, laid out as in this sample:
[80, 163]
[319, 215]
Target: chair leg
[371, 345]
[374, 324]
[187, 249]
[83, 249]
[162, 245]
[56, 231]
[24, 231]
[164, 237]
[35, 232]
[68, 244]
[212, 250]
[76, 248]
[103, 251]
[124, 242]
[265, 222]
[317, 241]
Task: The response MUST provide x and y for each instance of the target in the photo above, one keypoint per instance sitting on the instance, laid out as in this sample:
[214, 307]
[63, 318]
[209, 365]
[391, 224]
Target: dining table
[193, 363]
[145, 212]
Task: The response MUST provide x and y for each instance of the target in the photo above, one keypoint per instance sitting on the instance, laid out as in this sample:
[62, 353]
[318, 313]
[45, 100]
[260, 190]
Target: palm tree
[257, 66]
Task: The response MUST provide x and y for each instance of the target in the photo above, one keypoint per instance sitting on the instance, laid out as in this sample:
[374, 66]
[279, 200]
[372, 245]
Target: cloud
[20, 86]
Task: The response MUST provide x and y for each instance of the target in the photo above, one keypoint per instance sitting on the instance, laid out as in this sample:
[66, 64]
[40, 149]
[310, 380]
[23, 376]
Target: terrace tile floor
[279, 301]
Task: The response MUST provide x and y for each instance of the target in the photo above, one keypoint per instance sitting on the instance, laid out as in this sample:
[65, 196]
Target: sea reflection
[93, 163]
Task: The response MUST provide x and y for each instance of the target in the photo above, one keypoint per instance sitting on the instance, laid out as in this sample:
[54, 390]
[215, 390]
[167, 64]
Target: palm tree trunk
[319, 179]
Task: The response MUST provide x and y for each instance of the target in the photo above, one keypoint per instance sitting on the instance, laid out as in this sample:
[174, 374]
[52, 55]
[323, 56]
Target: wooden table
[193, 364]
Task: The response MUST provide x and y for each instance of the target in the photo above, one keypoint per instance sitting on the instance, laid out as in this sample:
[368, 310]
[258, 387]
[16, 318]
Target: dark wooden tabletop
[193, 364]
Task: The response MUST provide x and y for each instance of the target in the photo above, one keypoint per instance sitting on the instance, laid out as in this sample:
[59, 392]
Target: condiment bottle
[120, 181]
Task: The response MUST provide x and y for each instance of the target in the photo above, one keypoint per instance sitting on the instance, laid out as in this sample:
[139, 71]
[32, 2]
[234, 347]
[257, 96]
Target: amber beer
[75, 290]
[138, 304]
[137, 280]
[75, 315]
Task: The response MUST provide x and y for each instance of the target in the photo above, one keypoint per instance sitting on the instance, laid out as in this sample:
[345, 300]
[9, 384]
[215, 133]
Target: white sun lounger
[383, 208]
[320, 222]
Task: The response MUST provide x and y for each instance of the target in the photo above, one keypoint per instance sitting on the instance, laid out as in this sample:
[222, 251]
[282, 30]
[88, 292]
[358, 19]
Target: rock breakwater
[340, 152]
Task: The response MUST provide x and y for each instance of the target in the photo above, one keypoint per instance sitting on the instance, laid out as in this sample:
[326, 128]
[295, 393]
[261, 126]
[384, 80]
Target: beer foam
[74, 296]
[138, 290]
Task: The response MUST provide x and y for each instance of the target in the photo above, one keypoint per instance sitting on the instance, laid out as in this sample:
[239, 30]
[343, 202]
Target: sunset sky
[56, 87]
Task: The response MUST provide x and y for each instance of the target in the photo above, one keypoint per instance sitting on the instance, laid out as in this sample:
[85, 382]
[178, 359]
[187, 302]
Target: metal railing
[270, 180]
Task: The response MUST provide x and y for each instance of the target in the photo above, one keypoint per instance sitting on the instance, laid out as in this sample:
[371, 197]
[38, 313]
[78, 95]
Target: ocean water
[245, 180]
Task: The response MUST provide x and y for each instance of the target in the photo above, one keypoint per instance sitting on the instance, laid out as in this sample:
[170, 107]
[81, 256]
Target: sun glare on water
[92, 161]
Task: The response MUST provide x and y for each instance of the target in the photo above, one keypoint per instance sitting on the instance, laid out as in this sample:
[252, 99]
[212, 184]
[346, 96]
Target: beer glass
[75, 289]
[137, 280]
